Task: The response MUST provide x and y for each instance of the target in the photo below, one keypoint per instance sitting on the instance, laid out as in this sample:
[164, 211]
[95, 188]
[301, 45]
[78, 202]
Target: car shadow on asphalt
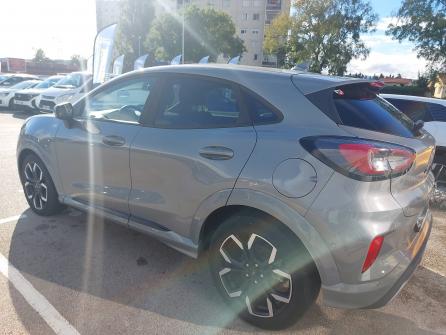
[23, 115]
[107, 261]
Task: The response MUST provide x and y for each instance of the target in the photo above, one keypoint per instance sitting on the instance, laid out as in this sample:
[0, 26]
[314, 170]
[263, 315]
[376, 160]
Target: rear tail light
[361, 159]
[372, 254]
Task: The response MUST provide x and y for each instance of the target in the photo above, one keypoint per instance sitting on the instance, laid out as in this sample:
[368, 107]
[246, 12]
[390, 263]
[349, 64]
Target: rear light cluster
[361, 159]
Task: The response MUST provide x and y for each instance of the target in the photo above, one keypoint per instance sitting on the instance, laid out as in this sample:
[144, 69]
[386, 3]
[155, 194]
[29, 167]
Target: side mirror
[64, 111]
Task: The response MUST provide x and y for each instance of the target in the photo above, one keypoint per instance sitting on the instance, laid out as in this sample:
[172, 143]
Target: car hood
[31, 91]
[57, 92]
[8, 90]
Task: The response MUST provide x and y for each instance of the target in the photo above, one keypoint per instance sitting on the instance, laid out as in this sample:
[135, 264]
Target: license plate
[18, 102]
[48, 108]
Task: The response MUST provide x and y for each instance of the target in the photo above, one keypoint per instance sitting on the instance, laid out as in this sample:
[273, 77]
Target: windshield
[24, 84]
[48, 83]
[74, 80]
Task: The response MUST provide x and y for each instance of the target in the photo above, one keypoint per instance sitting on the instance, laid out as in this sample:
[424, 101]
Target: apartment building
[251, 17]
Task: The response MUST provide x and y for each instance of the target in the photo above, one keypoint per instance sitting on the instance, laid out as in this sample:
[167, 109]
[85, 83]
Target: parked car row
[29, 93]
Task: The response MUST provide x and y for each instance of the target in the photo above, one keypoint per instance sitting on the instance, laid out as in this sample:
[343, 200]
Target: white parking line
[12, 218]
[37, 301]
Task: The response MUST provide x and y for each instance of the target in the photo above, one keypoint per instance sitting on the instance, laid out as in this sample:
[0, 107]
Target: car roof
[307, 82]
[414, 98]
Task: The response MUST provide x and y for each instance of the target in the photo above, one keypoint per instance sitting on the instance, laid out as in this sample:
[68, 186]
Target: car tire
[262, 270]
[11, 105]
[38, 186]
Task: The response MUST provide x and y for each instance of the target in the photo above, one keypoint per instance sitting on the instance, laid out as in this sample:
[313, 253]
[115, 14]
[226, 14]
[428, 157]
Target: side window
[437, 111]
[416, 110]
[259, 111]
[123, 101]
[198, 103]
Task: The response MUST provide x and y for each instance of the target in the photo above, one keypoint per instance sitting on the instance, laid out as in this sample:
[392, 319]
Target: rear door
[196, 145]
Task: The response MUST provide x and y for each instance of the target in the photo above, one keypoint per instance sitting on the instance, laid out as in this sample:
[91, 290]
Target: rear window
[359, 106]
[415, 110]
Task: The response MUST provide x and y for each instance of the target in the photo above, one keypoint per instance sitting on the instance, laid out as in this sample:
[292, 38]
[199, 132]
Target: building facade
[251, 17]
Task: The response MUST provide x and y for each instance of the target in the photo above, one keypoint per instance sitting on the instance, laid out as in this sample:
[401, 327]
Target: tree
[327, 33]
[76, 61]
[134, 24]
[207, 32]
[424, 23]
[40, 56]
[276, 35]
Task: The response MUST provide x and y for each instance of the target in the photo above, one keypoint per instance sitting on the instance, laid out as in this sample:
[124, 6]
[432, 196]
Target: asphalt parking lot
[104, 279]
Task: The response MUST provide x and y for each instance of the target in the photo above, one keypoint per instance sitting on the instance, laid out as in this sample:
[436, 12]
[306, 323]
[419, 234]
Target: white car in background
[433, 113]
[10, 80]
[7, 94]
[70, 89]
[26, 99]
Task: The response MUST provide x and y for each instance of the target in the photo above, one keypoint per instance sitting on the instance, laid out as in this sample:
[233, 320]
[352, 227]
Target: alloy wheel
[251, 270]
[35, 186]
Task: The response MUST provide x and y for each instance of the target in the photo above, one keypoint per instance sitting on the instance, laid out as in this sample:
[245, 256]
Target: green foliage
[40, 56]
[275, 41]
[424, 23]
[76, 61]
[133, 26]
[327, 33]
[207, 32]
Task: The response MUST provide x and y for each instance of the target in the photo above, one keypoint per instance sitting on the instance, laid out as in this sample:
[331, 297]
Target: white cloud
[384, 22]
[407, 64]
[388, 56]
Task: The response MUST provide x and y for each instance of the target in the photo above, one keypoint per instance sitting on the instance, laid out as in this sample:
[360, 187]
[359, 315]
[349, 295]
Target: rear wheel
[38, 186]
[263, 271]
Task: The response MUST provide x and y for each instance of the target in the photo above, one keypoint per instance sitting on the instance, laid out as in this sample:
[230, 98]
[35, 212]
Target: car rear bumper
[377, 293]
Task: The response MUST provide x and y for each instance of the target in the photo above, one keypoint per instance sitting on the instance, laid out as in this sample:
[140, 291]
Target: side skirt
[168, 237]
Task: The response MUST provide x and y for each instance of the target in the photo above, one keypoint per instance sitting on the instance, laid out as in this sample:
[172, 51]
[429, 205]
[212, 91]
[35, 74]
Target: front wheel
[38, 186]
[263, 271]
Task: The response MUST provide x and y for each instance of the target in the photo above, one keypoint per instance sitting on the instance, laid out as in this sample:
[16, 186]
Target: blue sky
[66, 27]
[388, 56]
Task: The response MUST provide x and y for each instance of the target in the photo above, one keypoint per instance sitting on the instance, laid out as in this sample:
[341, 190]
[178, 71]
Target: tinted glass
[25, 84]
[437, 111]
[260, 112]
[361, 108]
[48, 83]
[11, 81]
[124, 101]
[416, 110]
[197, 103]
[74, 80]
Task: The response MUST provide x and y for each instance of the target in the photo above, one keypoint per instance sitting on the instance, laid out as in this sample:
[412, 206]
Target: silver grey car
[288, 184]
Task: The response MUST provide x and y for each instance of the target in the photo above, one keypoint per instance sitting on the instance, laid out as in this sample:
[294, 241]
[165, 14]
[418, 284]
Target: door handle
[217, 153]
[113, 141]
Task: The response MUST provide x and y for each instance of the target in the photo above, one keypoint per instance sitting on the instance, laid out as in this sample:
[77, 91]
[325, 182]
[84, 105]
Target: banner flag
[103, 53]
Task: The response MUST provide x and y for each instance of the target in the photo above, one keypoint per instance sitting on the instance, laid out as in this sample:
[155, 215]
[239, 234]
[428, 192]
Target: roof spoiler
[309, 83]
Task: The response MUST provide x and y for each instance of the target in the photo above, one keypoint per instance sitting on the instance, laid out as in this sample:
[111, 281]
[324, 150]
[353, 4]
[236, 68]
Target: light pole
[182, 42]
[139, 46]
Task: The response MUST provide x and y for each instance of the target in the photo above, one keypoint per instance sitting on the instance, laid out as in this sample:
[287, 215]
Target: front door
[93, 151]
[197, 145]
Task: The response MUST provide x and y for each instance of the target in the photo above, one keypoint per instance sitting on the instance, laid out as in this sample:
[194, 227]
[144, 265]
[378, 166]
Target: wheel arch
[260, 203]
